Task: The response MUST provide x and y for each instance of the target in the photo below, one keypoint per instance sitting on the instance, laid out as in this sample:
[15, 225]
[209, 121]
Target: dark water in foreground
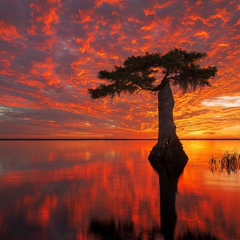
[85, 189]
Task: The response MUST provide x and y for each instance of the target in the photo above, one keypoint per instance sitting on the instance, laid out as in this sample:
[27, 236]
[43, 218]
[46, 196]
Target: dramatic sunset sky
[52, 51]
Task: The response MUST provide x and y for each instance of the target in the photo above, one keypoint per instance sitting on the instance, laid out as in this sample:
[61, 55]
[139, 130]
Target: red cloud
[48, 18]
[99, 3]
[152, 11]
[85, 44]
[54, 1]
[86, 16]
[222, 14]
[116, 28]
[150, 27]
[202, 34]
[9, 33]
[47, 71]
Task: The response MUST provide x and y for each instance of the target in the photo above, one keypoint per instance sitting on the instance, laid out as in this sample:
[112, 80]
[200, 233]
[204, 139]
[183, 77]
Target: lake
[109, 190]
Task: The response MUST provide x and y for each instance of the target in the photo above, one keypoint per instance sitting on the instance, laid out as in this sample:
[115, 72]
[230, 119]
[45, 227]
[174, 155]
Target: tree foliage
[142, 72]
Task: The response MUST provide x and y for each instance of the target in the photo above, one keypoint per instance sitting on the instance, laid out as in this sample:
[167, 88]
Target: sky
[52, 51]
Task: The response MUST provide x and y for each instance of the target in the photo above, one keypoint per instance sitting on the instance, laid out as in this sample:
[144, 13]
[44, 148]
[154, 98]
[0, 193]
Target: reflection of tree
[168, 179]
[109, 230]
[169, 172]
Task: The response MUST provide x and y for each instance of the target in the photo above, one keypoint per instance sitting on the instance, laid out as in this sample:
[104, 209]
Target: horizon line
[105, 139]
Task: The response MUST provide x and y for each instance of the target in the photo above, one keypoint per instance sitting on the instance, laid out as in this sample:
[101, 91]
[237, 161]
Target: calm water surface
[103, 189]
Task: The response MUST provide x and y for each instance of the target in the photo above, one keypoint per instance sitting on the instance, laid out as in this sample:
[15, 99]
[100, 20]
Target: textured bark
[168, 148]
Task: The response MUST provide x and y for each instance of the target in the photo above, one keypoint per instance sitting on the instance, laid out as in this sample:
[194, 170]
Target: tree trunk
[168, 148]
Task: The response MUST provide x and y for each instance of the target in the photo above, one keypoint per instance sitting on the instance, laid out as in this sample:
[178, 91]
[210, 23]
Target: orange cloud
[224, 45]
[149, 12]
[48, 18]
[6, 67]
[46, 70]
[86, 16]
[99, 3]
[54, 1]
[32, 31]
[135, 20]
[150, 27]
[19, 102]
[86, 44]
[222, 14]
[9, 33]
[191, 20]
[152, 11]
[202, 34]
[116, 28]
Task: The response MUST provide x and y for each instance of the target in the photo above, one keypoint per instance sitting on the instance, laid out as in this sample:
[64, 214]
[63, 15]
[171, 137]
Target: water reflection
[52, 190]
[168, 184]
[110, 230]
[169, 175]
[199, 236]
[168, 180]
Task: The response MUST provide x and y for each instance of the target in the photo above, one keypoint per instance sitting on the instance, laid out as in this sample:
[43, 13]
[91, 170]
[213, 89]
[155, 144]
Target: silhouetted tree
[154, 72]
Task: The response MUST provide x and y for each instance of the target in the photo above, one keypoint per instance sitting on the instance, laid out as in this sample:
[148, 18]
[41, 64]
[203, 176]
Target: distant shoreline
[109, 139]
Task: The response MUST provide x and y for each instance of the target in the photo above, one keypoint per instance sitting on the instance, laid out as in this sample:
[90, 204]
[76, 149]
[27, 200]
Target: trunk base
[168, 155]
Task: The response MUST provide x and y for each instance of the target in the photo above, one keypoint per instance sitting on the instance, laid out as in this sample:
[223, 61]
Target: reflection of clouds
[225, 101]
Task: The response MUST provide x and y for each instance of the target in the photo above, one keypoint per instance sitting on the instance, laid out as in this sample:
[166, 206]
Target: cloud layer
[52, 51]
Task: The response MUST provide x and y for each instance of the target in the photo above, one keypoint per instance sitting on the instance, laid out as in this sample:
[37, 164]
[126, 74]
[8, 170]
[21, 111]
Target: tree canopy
[142, 73]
